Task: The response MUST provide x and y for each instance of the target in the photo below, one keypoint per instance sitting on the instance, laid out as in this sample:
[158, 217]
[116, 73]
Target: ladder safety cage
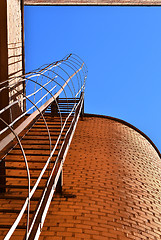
[37, 126]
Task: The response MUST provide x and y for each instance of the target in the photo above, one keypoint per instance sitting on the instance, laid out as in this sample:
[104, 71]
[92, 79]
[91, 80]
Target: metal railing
[66, 79]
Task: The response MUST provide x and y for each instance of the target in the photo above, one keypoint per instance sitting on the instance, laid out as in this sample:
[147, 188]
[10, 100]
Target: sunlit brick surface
[112, 186]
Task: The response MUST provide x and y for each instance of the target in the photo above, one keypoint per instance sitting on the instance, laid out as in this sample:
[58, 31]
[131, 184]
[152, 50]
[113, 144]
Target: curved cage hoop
[38, 122]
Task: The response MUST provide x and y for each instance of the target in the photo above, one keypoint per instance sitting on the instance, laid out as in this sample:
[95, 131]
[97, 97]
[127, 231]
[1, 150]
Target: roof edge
[127, 124]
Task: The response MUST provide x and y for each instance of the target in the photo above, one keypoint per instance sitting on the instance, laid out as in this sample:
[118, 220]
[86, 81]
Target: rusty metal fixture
[54, 99]
[93, 2]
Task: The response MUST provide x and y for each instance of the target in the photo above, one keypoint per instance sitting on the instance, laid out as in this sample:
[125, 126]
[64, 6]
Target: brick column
[4, 95]
[4, 98]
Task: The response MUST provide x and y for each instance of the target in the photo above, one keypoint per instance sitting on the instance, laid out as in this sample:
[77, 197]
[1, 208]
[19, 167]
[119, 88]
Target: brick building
[11, 52]
[112, 187]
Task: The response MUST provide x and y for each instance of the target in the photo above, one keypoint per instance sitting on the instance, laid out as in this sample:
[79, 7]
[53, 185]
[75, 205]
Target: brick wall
[15, 54]
[14, 37]
[111, 186]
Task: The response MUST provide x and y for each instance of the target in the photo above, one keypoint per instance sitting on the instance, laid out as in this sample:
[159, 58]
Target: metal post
[54, 113]
[54, 108]
[60, 183]
[82, 111]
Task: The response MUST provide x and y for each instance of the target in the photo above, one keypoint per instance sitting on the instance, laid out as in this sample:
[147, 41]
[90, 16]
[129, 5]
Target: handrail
[68, 77]
[23, 125]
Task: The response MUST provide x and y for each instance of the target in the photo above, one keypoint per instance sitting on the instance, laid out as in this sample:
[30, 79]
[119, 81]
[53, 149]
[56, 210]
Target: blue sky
[122, 49]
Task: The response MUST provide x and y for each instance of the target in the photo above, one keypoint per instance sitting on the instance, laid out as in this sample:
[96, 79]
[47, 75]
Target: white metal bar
[19, 129]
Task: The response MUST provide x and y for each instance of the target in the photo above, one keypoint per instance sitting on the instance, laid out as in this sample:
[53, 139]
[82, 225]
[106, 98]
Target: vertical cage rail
[54, 99]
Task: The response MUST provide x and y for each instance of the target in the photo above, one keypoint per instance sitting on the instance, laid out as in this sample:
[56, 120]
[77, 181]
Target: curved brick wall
[112, 186]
